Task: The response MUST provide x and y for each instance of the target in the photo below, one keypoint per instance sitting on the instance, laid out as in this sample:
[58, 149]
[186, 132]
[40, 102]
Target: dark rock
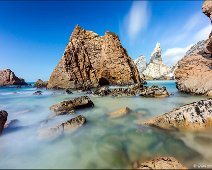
[69, 91]
[38, 93]
[3, 119]
[102, 91]
[68, 107]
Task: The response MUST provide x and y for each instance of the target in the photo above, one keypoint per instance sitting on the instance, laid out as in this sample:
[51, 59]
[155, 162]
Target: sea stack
[7, 77]
[155, 69]
[194, 71]
[93, 60]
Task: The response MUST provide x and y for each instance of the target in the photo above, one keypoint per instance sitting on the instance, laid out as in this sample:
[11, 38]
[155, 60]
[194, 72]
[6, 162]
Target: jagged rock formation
[195, 116]
[141, 64]
[155, 69]
[194, 71]
[7, 77]
[159, 163]
[92, 60]
[3, 119]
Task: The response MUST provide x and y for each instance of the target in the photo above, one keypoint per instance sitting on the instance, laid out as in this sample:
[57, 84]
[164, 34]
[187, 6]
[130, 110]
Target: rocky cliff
[156, 69]
[194, 71]
[92, 60]
[141, 64]
[7, 77]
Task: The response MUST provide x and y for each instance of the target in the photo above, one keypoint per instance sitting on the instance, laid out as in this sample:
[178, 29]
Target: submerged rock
[68, 107]
[195, 116]
[7, 77]
[120, 112]
[41, 84]
[3, 119]
[38, 93]
[159, 163]
[69, 125]
[93, 60]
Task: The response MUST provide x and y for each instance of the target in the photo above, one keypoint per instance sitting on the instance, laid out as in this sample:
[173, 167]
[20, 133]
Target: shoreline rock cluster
[3, 119]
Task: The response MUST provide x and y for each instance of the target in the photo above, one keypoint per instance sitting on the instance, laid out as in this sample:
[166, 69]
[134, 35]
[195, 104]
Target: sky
[33, 35]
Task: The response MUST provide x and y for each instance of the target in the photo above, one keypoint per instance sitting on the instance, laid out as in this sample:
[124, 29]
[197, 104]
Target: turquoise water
[103, 142]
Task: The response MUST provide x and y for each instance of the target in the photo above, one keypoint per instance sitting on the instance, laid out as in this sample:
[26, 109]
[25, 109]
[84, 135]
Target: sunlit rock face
[194, 71]
[141, 64]
[156, 69]
[93, 60]
[7, 77]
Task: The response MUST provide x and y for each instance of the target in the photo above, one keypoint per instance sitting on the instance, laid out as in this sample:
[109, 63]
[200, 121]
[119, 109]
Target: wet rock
[69, 91]
[154, 91]
[195, 116]
[67, 126]
[159, 163]
[120, 112]
[68, 107]
[11, 123]
[91, 60]
[38, 93]
[102, 91]
[7, 77]
[41, 84]
[3, 119]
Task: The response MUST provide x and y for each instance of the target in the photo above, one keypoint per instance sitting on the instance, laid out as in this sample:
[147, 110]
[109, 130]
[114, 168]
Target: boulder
[194, 71]
[68, 107]
[102, 91]
[93, 60]
[7, 77]
[67, 126]
[154, 91]
[156, 69]
[41, 84]
[159, 163]
[3, 119]
[120, 112]
[196, 116]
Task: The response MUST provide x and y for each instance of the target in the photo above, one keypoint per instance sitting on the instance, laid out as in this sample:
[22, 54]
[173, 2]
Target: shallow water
[102, 142]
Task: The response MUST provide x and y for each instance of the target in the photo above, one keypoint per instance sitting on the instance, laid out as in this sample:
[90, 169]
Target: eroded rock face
[141, 64]
[93, 60]
[69, 125]
[156, 69]
[159, 163]
[195, 116]
[7, 77]
[41, 84]
[3, 119]
[68, 107]
[194, 71]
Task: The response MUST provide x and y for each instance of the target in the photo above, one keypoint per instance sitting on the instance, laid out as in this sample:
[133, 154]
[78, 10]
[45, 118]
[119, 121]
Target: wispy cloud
[172, 55]
[137, 19]
[203, 33]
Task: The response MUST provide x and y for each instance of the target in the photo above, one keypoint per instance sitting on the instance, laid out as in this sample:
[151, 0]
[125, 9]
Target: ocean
[103, 142]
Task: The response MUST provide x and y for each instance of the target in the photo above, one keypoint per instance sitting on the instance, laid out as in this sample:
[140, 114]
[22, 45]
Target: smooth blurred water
[103, 142]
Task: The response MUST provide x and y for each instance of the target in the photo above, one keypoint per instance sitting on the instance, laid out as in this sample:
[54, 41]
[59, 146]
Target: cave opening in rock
[103, 81]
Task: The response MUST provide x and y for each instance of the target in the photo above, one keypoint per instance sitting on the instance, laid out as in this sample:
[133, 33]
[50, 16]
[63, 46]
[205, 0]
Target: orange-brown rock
[194, 71]
[159, 163]
[92, 60]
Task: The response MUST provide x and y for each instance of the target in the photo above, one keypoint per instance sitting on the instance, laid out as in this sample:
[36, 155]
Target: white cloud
[137, 19]
[203, 33]
[192, 22]
[172, 55]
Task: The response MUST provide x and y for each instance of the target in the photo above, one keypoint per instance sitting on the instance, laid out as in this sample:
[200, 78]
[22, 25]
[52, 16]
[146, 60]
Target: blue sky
[33, 35]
